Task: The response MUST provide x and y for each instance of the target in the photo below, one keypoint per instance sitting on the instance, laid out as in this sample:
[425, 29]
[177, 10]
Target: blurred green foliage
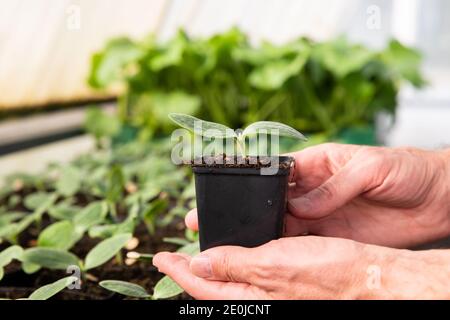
[313, 87]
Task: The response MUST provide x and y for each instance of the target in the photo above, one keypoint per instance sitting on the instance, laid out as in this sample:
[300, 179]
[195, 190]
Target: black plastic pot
[240, 206]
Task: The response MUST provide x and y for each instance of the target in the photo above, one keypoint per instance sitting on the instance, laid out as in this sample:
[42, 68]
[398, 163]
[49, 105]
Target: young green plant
[215, 130]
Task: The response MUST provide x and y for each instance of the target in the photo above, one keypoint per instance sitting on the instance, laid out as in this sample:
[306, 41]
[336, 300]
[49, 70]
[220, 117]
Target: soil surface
[223, 161]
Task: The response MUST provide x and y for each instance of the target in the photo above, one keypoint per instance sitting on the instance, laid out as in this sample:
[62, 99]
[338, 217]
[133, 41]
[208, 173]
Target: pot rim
[237, 169]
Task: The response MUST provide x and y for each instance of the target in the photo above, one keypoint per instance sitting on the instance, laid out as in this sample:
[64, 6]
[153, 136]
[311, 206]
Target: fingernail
[155, 260]
[301, 204]
[201, 266]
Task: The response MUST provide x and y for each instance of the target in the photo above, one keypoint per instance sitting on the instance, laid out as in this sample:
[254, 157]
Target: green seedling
[215, 130]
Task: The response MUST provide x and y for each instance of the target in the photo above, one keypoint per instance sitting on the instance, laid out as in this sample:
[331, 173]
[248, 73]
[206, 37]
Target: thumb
[227, 263]
[334, 193]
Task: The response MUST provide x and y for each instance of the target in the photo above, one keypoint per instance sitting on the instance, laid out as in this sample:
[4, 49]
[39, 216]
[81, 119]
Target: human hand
[310, 268]
[395, 197]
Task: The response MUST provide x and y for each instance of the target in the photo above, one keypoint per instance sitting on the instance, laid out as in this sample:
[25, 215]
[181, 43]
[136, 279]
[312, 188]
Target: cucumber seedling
[216, 130]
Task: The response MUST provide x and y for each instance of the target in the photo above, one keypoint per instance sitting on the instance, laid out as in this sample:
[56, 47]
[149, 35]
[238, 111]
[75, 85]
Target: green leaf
[170, 55]
[105, 250]
[191, 249]
[50, 258]
[116, 184]
[9, 230]
[405, 62]
[273, 75]
[64, 211]
[35, 200]
[163, 104]
[341, 57]
[102, 231]
[14, 200]
[273, 128]
[9, 254]
[100, 124]
[59, 235]
[126, 288]
[106, 231]
[49, 290]
[30, 268]
[166, 288]
[189, 190]
[151, 212]
[7, 218]
[91, 215]
[109, 65]
[201, 127]
[69, 182]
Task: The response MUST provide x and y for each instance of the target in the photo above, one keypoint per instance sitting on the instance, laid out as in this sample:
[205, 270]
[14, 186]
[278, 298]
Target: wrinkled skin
[360, 203]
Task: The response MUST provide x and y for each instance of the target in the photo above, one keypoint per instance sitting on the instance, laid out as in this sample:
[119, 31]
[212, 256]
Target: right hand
[393, 197]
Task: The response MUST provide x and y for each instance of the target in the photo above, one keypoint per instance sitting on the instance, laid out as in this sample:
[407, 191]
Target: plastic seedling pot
[237, 205]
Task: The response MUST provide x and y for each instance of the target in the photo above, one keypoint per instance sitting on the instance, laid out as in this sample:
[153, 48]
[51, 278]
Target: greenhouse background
[86, 86]
[46, 48]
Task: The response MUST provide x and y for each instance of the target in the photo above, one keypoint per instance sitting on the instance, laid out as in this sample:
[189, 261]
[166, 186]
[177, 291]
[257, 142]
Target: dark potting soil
[223, 161]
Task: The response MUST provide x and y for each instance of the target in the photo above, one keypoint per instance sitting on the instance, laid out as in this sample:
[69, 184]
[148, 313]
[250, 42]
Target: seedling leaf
[36, 200]
[49, 290]
[201, 127]
[166, 288]
[69, 182]
[59, 235]
[7, 218]
[105, 250]
[64, 211]
[126, 288]
[50, 258]
[9, 254]
[274, 128]
[30, 268]
[190, 249]
[91, 215]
